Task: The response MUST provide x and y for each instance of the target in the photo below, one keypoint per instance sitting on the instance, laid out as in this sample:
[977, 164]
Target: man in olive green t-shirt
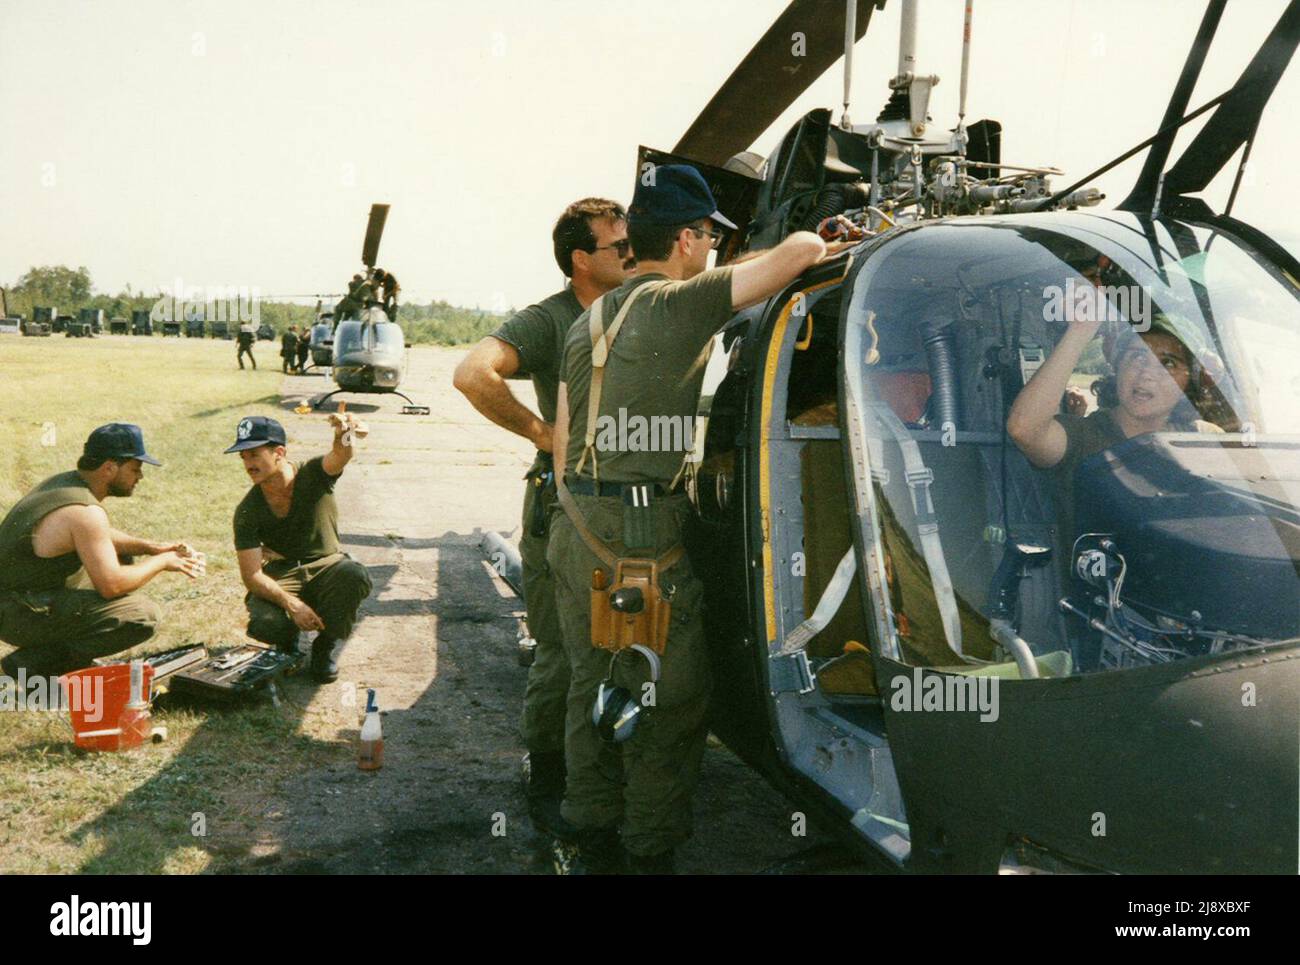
[58, 533]
[287, 544]
[635, 797]
[590, 243]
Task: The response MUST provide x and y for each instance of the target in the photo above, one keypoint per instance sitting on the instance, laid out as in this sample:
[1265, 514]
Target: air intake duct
[939, 336]
[832, 200]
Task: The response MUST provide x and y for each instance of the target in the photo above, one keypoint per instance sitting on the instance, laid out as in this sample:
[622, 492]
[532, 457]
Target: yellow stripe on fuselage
[770, 366]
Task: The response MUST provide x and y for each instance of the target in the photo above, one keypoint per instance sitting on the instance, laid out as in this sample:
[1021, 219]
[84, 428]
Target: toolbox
[247, 671]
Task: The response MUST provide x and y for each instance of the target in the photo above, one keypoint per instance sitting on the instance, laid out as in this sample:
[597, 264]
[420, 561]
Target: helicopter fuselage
[1151, 754]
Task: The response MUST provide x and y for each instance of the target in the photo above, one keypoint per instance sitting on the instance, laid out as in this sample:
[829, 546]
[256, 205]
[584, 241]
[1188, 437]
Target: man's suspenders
[601, 342]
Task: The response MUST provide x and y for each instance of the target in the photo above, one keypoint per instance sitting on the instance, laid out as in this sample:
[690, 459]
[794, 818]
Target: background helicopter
[871, 533]
[368, 350]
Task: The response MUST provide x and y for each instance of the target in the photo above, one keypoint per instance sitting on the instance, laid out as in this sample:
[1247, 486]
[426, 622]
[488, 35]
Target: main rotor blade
[781, 66]
[1234, 122]
[374, 231]
[1143, 194]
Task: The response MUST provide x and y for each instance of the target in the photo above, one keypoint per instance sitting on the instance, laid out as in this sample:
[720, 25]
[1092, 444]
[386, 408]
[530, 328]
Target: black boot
[325, 658]
[600, 852]
[654, 864]
[545, 791]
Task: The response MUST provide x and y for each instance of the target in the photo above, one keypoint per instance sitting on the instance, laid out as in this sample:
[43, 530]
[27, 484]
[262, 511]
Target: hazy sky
[241, 142]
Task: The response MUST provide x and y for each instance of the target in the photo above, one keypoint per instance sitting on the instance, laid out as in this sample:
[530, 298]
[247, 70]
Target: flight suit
[542, 721]
[655, 370]
[537, 334]
[646, 783]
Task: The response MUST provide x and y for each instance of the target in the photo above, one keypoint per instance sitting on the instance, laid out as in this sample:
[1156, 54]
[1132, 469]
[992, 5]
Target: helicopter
[322, 338]
[367, 349]
[910, 635]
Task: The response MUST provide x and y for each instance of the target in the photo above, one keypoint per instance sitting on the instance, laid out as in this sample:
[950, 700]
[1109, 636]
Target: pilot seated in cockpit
[1158, 384]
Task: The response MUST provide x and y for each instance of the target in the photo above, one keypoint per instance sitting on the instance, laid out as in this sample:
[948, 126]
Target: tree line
[71, 289]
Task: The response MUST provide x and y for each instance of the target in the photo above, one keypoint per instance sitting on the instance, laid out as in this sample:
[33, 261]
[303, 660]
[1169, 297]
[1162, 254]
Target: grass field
[63, 810]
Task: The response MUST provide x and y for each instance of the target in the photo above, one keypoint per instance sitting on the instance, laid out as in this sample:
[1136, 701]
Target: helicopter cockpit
[1047, 448]
[1138, 547]
[369, 353]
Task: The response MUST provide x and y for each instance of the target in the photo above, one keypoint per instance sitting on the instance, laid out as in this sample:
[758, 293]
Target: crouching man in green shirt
[67, 582]
[287, 543]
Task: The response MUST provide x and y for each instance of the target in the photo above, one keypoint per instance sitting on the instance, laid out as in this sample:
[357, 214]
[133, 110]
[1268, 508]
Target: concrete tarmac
[437, 643]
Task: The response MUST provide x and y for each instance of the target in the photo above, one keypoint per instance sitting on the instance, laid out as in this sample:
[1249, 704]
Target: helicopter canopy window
[388, 337]
[1151, 375]
[355, 336]
[349, 337]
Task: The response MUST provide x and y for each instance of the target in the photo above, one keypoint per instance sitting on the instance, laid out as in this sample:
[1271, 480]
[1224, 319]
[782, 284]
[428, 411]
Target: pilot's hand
[1084, 325]
[304, 617]
[189, 565]
[1076, 401]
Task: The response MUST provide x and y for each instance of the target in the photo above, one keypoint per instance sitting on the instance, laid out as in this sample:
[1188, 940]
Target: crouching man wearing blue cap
[57, 539]
[287, 543]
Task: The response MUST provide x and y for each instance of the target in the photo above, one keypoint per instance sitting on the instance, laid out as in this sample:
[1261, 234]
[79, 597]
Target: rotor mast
[965, 68]
[850, 37]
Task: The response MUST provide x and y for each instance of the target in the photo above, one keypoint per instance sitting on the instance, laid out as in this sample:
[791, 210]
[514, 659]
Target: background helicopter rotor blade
[374, 231]
[770, 77]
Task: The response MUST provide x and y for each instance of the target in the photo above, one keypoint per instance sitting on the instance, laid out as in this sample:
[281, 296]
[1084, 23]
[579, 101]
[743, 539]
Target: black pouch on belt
[539, 480]
[638, 516]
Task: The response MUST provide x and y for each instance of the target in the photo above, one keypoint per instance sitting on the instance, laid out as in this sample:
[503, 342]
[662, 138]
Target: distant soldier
[591, 248]
[303, 347]
[289, 349]
[386, 281]
[246, 337]
[360, 293]
[59, 533]
[287, 543]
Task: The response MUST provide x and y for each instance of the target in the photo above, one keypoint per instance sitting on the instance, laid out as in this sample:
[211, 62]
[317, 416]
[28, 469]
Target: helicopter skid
[411, 408]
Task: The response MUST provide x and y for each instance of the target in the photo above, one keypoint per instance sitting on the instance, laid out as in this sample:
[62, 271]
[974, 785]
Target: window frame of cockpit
[845, 760]
[775, 529]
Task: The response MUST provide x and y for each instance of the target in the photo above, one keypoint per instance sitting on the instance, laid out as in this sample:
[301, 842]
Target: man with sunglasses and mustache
[591, 248]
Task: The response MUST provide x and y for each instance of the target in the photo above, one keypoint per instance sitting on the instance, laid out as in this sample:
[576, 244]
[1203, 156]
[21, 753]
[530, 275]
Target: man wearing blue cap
[60, 531]
[287, 543]
[649, 339]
